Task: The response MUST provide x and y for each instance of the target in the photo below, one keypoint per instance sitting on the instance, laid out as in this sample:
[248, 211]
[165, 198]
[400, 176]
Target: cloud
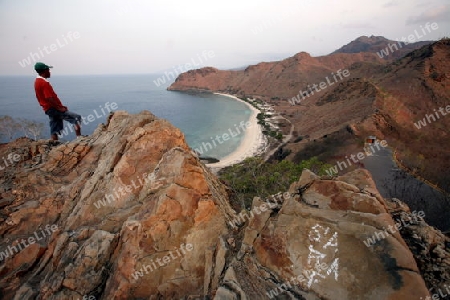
[423, 4]
[357, 25]
[391, 3]
[438, 14]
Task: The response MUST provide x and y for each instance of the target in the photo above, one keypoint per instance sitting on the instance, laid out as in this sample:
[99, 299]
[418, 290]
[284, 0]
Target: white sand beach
[253, 143]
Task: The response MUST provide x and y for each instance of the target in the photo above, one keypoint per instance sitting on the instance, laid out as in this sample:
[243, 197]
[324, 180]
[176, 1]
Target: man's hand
[56, 105]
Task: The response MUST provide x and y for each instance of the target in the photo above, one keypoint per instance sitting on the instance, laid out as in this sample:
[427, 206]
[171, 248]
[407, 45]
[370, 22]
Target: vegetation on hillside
[254, 178]
[267, 129]
[10, 127]
[328, 147]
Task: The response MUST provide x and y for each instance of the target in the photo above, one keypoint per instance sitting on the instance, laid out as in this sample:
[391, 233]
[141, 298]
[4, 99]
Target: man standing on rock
[51, 104]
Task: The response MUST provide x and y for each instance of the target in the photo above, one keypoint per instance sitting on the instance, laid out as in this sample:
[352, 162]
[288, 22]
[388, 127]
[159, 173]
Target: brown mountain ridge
[376, 44]
[379, 97]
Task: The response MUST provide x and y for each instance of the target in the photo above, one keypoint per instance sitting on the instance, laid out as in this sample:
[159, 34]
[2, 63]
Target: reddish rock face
[131, 213]
[129, 195]
[317, 244]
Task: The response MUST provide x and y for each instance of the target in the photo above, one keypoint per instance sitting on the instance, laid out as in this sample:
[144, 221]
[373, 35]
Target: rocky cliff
[131, 213]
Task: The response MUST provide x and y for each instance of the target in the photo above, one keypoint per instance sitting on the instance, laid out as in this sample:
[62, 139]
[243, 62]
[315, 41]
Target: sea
[200, 116]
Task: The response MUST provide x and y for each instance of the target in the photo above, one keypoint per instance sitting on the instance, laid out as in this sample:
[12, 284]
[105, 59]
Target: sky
[152, 36]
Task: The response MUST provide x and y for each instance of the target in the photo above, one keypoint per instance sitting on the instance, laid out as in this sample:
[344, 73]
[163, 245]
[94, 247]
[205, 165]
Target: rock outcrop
[131, 213]
[131, 196]
[314, 245]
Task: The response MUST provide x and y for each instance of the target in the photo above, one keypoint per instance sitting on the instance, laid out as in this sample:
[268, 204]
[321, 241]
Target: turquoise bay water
[199, 116]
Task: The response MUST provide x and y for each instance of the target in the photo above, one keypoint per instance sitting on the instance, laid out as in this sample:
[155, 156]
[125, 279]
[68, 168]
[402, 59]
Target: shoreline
[252, 143]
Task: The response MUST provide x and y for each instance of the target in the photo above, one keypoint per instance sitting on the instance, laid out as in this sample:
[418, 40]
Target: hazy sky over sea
[148, 36]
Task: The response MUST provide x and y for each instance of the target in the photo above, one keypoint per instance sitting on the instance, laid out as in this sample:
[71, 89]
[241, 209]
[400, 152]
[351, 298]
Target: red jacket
[43, 91]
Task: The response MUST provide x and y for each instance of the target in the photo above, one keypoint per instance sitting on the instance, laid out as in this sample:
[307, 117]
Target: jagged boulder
[314, 244]
[136, 215]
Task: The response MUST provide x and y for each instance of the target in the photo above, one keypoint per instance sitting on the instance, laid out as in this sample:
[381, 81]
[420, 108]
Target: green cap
[41, 66]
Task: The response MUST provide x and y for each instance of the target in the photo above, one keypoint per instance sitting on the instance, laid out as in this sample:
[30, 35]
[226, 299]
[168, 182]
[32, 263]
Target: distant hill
[277, 80]
[376, 44]
[382, 97]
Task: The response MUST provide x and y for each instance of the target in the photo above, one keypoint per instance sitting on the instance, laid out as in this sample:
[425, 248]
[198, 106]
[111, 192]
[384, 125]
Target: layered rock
[313, 245]
[161, 199]
[131, 213]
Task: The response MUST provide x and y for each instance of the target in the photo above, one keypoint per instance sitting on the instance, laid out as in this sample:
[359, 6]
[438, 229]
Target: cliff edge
[131, 213]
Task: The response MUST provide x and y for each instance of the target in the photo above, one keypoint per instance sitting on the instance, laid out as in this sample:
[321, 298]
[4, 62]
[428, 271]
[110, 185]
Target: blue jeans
[56, 119]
